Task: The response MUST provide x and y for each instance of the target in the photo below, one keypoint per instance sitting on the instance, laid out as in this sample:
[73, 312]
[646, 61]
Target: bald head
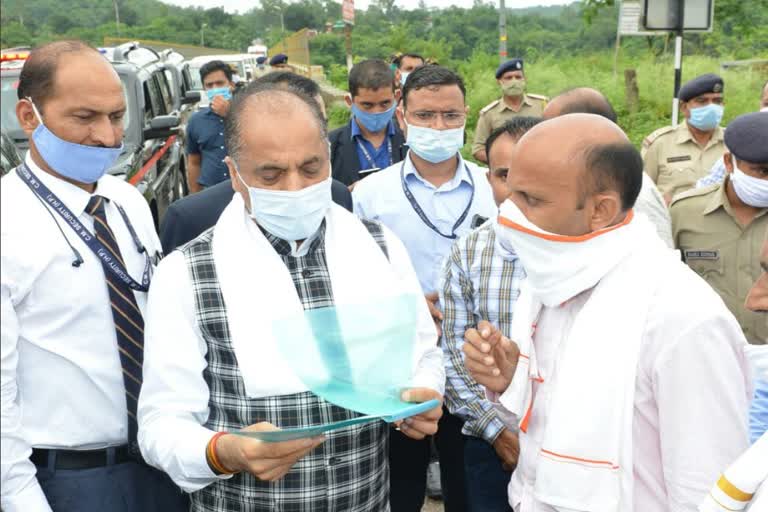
[575, 174]
[582, 100]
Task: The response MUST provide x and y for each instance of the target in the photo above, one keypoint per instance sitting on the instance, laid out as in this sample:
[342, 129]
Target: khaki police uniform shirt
[722, 251]
[497, 113]
[674, 160]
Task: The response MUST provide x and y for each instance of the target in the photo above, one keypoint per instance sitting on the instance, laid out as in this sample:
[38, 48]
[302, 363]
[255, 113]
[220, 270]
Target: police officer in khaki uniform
[513, 102]
[720, 229]
[676, 157]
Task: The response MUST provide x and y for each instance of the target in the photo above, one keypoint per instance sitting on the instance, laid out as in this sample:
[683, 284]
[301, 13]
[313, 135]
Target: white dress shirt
[651, 203]
[381, 197]
[173, 405]
[690, 400]
[62, 383]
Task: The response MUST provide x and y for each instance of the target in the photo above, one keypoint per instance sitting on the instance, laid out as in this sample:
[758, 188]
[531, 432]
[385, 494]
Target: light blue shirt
[381, 197]
[716, 174]
[758, 411]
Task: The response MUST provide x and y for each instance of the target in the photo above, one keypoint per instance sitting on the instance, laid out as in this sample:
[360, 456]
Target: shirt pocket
[708, 263]
[675, 178]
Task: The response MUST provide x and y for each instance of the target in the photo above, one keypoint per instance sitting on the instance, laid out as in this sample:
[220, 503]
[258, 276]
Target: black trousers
[127, 487]
[408, 461]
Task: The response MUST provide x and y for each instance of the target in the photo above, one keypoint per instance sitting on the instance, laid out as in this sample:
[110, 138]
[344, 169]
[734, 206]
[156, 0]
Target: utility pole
[502, 31]
[678, 59]
[348, 44]
[202, 34]
[117, 18]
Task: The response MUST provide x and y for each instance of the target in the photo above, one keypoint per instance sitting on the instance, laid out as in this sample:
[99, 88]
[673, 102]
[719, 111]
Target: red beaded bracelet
[213, 460]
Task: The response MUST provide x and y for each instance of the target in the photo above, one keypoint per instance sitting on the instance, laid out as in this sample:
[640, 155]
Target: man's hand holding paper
[424, 424]
[265, 461]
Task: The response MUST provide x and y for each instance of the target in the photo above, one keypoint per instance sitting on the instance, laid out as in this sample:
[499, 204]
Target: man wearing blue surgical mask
[429, 200]
[371, 141]
[675, 157]
[405, 64]
[78, 251]
[205, 130]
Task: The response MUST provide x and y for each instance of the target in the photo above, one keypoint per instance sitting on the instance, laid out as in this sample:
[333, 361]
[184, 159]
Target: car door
[157, 153]
[169, 161]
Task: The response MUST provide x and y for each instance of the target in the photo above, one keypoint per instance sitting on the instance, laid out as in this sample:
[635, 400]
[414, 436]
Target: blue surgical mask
[373, 122]
[291, 215]
[84, 164]
[224, 92]
[435, 145]
[404, 76]
[706, 118]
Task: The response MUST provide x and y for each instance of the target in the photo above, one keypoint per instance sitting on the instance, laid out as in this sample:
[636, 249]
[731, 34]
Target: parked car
[152, 158]
[9, 155]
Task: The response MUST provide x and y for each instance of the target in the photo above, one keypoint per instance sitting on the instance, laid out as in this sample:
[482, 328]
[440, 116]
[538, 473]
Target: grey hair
[267, 98]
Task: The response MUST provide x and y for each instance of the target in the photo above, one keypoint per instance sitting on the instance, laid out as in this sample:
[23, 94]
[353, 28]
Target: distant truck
[258, 50]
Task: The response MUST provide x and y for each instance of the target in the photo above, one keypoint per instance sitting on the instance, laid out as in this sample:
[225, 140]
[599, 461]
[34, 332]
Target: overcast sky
[244, 5]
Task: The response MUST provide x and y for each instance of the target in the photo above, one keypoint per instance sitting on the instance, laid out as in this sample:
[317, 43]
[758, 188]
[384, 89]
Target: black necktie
[129, 324]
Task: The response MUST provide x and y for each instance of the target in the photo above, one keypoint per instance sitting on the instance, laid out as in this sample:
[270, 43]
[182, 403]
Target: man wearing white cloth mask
[212, 363]
[719, 228]
[627, 375]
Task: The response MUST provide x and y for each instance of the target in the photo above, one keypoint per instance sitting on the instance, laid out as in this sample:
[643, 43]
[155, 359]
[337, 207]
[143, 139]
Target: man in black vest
[371, 140]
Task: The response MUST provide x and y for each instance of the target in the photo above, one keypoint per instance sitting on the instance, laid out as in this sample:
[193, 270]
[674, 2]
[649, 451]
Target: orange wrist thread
[213, 458]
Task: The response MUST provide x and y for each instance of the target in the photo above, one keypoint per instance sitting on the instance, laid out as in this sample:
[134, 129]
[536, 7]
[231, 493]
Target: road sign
[665, 15]
[348, 11]
[629, 20]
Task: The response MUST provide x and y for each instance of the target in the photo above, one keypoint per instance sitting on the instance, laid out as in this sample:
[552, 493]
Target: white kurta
[690, 401]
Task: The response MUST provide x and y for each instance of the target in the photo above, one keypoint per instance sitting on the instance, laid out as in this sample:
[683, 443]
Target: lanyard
[421, 213]
[371, 161]
[110, 263]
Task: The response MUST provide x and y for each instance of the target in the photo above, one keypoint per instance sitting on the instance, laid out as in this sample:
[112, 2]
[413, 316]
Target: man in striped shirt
[480, 281]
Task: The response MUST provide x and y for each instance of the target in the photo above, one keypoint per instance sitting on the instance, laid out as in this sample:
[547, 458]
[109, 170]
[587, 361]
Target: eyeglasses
[450, 119]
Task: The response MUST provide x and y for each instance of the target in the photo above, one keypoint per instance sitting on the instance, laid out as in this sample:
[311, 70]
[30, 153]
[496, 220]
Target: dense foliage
[564, 46]
[450, 35]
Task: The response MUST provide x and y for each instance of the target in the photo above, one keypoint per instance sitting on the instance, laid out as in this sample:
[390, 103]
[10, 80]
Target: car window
[187, 79]
[152, 99]
[165, 91]
[194, 75]
[132, 116]
[8, 99]
[175, 88]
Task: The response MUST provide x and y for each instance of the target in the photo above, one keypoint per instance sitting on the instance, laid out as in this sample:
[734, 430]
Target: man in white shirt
[627, 370]
[429, 200]
[78, 249]
[215, 365]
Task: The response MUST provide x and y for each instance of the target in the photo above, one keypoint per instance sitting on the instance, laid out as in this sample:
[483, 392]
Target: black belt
[81, 459]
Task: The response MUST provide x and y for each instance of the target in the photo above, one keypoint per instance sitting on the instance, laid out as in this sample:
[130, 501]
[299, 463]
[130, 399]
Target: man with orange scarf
[627, 375]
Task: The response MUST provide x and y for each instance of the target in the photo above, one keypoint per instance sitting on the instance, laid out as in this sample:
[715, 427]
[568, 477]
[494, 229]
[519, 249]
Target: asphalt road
[431, 505]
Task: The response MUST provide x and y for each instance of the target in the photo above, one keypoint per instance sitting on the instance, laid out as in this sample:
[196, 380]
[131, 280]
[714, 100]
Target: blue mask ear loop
[34, 108]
